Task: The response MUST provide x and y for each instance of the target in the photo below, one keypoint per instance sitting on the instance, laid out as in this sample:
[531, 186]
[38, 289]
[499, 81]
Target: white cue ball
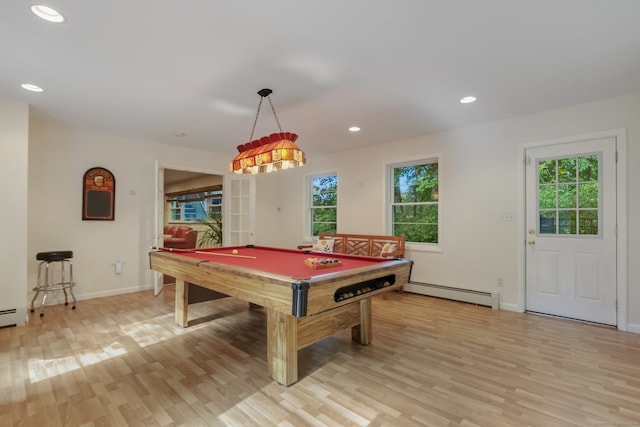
[235, 252]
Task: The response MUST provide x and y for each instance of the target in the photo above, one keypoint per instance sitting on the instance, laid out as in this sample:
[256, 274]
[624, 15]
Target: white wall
[58, 159]
[14, 150]
[479, 179]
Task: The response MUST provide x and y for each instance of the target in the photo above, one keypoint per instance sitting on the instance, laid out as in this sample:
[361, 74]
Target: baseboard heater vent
[489, 299]
[8, 317]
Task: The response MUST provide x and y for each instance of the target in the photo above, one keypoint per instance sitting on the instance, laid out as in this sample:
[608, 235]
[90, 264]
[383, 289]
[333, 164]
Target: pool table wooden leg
[363, 333]
[282, 347]
[182, 303]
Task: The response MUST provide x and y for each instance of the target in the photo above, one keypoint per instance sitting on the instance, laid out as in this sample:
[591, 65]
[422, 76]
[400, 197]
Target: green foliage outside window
[324, 204]
[414, 207]
[568, 195]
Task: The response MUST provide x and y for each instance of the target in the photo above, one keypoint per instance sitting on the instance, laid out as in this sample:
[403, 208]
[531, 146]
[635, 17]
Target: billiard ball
[235, 252]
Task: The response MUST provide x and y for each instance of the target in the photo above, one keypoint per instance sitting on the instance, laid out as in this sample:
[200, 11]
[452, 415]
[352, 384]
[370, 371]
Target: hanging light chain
[274, 113]
[264, 93]
[253, 129]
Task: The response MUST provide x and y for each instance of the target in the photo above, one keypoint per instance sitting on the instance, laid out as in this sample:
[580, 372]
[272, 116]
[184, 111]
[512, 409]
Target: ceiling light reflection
[32, 87]
[47, 13]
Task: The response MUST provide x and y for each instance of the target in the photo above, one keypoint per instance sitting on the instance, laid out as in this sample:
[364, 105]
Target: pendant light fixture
[275, 152]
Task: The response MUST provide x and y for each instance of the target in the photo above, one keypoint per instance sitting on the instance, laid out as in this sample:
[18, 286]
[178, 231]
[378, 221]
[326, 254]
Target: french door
[239, 215]
[158, 225]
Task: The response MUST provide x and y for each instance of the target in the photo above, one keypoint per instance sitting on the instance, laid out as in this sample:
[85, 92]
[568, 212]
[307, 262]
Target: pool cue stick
[205, 253]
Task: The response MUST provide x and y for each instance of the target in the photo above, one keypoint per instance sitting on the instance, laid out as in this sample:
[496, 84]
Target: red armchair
[182, 237]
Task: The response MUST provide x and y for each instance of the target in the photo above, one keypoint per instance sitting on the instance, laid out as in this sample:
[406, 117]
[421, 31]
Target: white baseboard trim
[490, 299]
[58, 297]
[510, 307]
[633, 327]
[13, 316]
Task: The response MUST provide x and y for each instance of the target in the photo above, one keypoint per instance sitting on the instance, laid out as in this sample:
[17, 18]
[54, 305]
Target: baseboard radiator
[12, 317]
[489, 299]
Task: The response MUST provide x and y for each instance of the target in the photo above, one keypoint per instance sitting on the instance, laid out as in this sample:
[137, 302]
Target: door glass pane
[547, 222]
[569, 195]
[588, 222]
[567, 170]
[547, 172]
[547, 196]
[588, 168]
[567, 222]
[588, 195]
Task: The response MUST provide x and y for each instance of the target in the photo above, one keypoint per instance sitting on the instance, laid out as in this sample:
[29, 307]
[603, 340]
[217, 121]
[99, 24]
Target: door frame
[160, 166]
[621, 215]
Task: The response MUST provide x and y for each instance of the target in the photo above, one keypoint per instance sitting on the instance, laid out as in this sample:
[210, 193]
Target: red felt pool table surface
[285, 262]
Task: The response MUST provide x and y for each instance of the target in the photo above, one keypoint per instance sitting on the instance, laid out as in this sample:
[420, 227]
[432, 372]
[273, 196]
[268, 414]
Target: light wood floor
[121, 361]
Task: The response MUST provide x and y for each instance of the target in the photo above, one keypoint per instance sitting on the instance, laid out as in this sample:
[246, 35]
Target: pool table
[304, 302]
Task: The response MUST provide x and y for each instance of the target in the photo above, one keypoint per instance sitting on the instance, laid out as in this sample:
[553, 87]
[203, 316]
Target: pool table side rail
[322, 297]
[235, 282]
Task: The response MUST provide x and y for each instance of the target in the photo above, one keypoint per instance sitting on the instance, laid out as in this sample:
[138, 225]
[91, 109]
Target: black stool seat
[54, 256]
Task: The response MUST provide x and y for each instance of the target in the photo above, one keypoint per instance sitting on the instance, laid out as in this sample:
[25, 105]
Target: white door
[239, 216]
[571, 230]
[158, 237]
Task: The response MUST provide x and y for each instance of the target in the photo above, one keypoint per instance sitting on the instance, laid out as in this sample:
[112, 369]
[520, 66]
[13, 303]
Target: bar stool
[47, 280]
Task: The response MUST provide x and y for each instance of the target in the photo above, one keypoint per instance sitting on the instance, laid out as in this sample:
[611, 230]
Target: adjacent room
[356, 213]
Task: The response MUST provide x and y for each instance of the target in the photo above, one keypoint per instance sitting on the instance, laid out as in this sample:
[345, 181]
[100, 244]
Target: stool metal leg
[62, 282]
[44, 298]
[48, 284]
[70, 286]
[34, 297]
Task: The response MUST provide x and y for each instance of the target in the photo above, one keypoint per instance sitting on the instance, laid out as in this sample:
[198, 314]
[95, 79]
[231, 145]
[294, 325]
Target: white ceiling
[396, 68]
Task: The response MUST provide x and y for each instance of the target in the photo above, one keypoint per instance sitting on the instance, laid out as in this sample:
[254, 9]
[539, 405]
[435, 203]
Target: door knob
[531, 242]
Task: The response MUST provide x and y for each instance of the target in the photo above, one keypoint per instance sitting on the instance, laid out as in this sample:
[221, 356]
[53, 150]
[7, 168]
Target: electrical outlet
[500, 282]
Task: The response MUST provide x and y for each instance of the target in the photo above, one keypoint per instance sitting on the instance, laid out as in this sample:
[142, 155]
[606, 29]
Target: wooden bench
[364, 244]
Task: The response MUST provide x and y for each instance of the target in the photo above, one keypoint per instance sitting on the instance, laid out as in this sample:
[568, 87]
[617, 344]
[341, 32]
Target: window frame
[389, 203]
[308, 223]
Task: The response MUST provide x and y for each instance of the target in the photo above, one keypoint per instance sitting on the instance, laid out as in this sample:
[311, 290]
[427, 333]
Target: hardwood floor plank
[122, 360]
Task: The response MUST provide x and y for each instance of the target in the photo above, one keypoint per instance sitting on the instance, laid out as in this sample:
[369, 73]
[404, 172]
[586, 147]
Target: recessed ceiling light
[47, 13]
[467, 99]
[354, 129]
[32, 88]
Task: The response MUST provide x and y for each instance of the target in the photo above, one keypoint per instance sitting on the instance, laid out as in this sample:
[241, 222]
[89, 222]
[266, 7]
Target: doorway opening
[182, 212]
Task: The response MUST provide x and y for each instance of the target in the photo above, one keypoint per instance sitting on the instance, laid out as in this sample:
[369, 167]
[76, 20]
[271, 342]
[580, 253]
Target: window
[323, 204]
[413, 195]
[568, 196]
[196, 204]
